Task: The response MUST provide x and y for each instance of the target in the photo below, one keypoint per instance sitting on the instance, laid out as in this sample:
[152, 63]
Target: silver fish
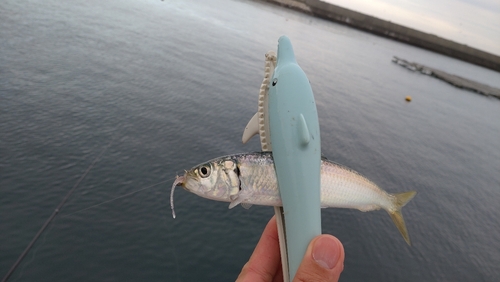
[250, 179]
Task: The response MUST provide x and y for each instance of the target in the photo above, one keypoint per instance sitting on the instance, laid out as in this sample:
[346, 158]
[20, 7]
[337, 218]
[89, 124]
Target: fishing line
[54, 213]
[34, 252]
[122, 196]
[93, 206]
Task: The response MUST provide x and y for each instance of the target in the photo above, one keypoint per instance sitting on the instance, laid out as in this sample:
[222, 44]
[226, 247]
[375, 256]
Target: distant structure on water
[393, 31]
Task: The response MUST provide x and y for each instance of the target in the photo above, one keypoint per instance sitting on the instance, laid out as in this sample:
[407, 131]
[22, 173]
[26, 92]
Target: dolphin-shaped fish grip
[287, 123]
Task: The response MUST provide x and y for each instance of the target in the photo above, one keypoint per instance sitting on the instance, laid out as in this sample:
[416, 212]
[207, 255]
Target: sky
[475, 23]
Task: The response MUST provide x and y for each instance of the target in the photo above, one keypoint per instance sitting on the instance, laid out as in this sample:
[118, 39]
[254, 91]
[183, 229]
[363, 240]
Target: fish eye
[204, 171]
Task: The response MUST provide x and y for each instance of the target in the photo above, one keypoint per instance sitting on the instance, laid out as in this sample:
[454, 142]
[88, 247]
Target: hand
[323, 261]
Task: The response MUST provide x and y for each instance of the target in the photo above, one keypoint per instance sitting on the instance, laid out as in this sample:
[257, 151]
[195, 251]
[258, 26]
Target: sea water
[161, 86]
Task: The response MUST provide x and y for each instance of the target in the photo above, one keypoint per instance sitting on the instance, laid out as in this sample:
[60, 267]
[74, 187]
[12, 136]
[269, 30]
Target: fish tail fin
[400, 200]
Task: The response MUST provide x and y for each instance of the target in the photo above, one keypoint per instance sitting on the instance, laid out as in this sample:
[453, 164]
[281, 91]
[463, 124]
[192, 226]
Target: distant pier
[393, 31]
[452, 79]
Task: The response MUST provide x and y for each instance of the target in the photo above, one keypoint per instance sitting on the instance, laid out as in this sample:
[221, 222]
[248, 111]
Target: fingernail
[326, 252]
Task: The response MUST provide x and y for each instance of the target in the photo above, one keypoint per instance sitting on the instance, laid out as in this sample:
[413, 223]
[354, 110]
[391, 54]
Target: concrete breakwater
[393, 31]
[452, 79]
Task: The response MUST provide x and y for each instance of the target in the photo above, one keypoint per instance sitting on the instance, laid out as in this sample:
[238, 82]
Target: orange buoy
[408, 98]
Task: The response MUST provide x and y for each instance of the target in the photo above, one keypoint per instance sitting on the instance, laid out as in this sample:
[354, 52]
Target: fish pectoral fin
[235, 202]
[246, 205]
[240, 198]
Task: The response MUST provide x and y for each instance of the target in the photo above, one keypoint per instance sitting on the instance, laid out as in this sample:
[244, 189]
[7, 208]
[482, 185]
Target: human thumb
[323, 261]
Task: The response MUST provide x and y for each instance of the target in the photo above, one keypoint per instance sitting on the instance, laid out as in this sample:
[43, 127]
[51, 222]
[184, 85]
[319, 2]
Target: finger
[278, 277]
[265, 262]
[323, 261]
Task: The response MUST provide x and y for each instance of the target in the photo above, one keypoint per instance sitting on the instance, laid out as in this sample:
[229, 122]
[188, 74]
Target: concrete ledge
[454, 80]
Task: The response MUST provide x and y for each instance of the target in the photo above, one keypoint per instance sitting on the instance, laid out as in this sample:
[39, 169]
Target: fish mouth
[179, 181]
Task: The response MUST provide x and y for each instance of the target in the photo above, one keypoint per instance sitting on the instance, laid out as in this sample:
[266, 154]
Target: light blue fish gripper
[296, 146]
